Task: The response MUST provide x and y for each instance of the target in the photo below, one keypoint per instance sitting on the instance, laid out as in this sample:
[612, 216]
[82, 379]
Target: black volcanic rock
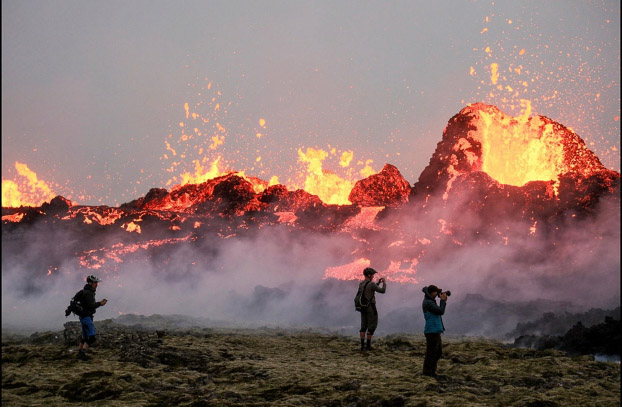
[216, 194]
[557, 324]
[308, 209]
[154, 195]
[327, 218]
[186, 197]
[481, 194]
[57, 205]
[278, 198]
[583, 193]
[231, 196]
[387, 188]
[602, 338]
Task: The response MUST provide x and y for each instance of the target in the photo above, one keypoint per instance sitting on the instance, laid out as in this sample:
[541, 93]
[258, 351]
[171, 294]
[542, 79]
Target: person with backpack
[86, 299]
[432, 313]
[367, 305]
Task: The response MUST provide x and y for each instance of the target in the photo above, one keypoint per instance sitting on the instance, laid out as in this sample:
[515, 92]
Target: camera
[448, 292]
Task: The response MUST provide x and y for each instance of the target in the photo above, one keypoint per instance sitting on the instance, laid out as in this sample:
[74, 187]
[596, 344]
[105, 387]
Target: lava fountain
[503, 169]
[512, 151]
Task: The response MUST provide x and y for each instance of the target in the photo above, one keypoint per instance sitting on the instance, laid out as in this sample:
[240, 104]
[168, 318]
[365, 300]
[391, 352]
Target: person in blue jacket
[433, 327]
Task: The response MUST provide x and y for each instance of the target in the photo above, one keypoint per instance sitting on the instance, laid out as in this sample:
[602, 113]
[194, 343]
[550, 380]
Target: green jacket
[371, 289]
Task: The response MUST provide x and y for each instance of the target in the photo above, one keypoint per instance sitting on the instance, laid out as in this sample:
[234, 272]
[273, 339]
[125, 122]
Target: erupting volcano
[538, 164]
[492, 179]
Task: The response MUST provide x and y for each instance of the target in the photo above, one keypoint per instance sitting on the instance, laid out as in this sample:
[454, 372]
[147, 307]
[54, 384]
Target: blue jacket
[432, 313]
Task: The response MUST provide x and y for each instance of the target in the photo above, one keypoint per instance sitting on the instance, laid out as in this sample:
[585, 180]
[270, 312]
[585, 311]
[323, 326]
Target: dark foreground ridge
[167, 365]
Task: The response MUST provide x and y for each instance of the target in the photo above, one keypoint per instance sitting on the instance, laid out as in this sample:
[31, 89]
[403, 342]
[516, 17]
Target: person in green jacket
[369, 315]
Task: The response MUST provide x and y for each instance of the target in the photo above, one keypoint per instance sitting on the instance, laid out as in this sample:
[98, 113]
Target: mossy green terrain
[272, 367]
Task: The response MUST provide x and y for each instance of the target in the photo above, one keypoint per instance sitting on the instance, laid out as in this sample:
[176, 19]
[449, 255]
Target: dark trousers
[369, 319]
[433, 351]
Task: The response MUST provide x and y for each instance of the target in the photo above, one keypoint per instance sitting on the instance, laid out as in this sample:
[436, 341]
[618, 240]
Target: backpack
[359, 299]
[75, 305]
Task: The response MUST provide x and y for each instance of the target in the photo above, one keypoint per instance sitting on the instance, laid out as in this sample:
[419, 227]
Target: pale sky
[93, 91]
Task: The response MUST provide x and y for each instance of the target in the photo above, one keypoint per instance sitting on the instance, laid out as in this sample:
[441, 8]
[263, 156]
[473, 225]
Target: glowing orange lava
[351, 271]
[96, 258]
[330, 187]
[398, 271]
[199, 138]
[327, 185]
[13, 217]
[28, 190]
[517, 150]
[365, 219]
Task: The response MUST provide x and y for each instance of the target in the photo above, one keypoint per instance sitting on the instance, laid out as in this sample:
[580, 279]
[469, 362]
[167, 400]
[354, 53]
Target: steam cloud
[274, 275]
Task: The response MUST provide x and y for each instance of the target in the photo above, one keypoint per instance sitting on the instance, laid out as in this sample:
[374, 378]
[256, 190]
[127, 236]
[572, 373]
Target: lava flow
[493, 180]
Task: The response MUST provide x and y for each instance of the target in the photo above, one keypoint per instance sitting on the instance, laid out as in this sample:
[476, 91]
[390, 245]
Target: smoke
[272, 276]
[500, 271]
[574, 259]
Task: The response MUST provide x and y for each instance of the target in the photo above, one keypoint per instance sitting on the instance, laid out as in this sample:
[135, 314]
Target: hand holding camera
[444, 295]
[103, 302]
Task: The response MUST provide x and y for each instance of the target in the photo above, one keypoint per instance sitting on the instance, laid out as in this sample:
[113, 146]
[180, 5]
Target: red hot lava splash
[507, 170]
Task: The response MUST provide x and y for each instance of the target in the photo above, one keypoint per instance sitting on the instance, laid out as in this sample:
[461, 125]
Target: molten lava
[518, 150]
[514, 177]
[327, 185]
[512, 151]
[27, 190]
[330, 187]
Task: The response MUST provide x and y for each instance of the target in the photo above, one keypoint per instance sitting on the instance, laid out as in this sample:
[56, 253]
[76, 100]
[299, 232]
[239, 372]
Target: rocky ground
[141, 365]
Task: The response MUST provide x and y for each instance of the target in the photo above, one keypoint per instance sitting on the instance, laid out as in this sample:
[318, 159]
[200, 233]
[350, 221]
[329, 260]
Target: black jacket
[88, 301]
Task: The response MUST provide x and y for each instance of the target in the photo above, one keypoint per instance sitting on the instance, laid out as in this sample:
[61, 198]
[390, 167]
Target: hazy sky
[93, 92]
